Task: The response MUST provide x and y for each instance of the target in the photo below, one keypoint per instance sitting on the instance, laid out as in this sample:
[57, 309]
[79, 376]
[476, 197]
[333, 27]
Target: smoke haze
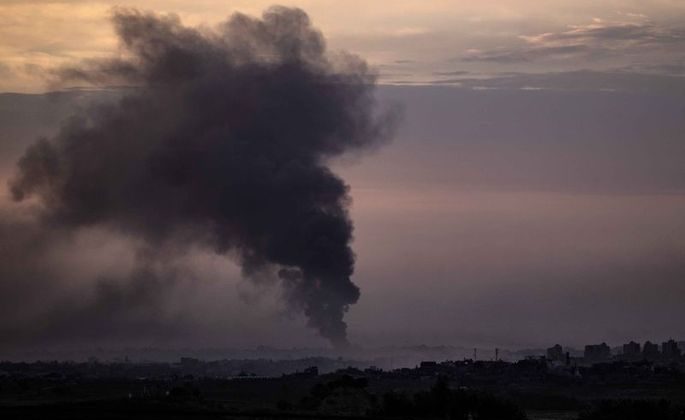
[223, 144]
[519, 204]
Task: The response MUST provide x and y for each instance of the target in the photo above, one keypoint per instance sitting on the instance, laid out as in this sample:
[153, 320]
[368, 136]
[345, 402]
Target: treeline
[348, 396]
[445, 403]
[634, 410]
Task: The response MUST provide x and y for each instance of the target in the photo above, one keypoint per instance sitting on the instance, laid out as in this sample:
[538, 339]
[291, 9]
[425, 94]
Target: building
[555, 353]
[632, 350]
[597, 352]
[670, 350]
[650, 350]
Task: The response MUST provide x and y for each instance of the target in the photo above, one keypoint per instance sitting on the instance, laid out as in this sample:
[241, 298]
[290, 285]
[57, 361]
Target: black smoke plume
[222, 139]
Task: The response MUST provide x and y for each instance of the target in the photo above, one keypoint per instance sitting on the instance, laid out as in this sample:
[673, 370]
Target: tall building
[555, 353]
[632, 350]
[597, 352]
[670, 349]
[650, 350]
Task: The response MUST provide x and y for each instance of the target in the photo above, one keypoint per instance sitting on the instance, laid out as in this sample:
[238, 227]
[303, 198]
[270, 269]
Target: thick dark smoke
[223, 141]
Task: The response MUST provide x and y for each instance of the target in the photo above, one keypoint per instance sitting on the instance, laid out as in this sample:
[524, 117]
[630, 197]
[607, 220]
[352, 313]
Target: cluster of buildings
[670, 351]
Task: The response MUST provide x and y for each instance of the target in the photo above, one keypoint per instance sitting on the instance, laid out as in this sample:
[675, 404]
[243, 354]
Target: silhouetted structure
[189, 362]
[650, 350]
[597, 352]
[484, 390]
[670, 350]
[428, 365]
[632, 350]
[555, 353]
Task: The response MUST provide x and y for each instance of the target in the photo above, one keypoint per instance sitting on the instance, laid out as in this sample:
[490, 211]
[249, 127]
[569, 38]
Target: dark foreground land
[530, 389]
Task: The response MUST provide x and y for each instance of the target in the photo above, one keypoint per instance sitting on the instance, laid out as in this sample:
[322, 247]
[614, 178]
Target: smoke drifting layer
[224, 143]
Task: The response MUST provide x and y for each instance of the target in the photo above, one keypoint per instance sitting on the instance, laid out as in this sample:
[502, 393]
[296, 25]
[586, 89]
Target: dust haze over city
[393, 181]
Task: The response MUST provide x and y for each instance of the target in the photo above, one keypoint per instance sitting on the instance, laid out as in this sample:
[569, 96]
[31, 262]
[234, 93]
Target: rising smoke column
[224, 141]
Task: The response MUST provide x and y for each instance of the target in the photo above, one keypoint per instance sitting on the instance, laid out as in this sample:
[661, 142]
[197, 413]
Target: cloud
[646, 33]
[618, 80]
[526, 54]
[672, 69]
[596, 40]
[452, 73]
[5, 70]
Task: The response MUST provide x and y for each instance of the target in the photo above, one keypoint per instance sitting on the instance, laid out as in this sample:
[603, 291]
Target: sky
[409, 41]
[532, 194]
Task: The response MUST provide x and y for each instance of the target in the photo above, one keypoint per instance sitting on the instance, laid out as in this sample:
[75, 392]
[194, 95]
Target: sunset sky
[534, 192]
[410, 41]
